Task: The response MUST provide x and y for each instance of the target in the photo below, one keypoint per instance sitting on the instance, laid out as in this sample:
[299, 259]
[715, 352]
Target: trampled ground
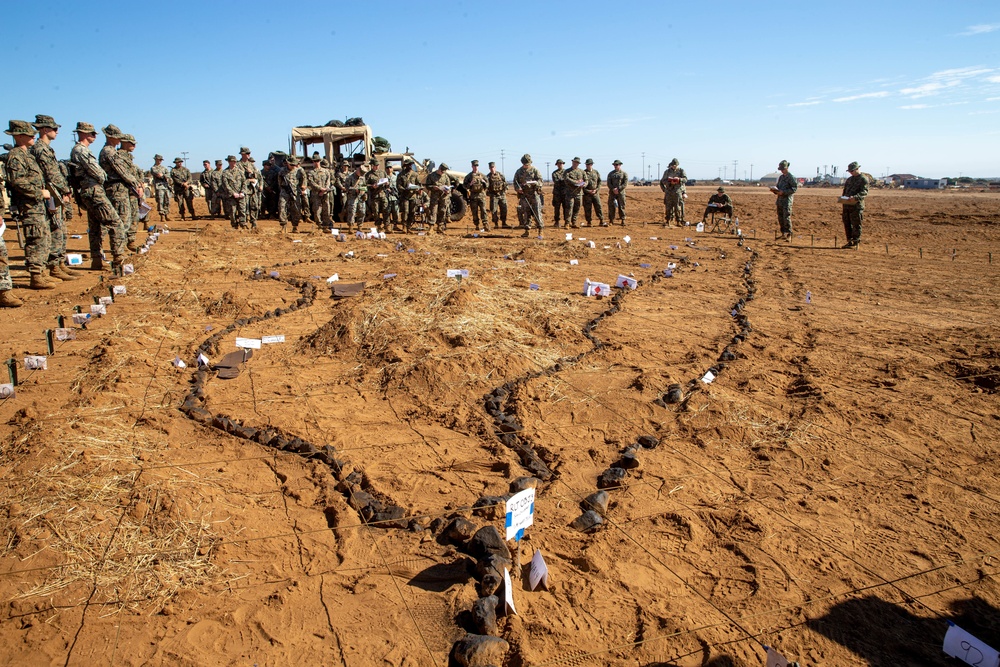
[832, 494]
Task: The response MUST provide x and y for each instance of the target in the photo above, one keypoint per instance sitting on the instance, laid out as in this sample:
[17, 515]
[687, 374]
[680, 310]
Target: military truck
[354, 144]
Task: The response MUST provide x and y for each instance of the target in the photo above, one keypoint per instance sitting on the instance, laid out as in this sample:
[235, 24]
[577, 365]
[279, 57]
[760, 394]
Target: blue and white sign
[520, 513]
[960, 644]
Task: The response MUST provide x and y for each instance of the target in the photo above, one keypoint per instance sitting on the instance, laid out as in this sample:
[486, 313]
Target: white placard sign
[625, 281]
[520, 513]
[539, 573]
[81, 318]
[248, 343]
[960, 644]
[508, 592]
[98, 309]
[179, 363]
[36, 363]
[119, 290]
[271, 340]
[7, 391]
[574, 262]
[569, 236]
[708, 377]
[74, 259]
[775, 659]
[65, 334]
[203, 360]
[455, 273]
[128, 269]
[627, 238]
[595, 289]
[106, 300]
[334, 278]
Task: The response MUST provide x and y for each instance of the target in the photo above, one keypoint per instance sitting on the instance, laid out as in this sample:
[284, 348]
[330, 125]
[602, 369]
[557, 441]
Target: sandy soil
[832, 494]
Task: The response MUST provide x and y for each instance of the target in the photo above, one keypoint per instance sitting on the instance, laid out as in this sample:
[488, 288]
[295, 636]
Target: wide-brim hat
[128, 138]
[178, 159]
[674, 161]
[619, 162]
[291, 159]
[16, 127]
[112, 131]
[443, 167]
[721, 189]
[231, 158]
[590, 160]
[85, 128]
[576, 159]
[157, 157]
[244, 150]
[560, 161]
[853, 166]
[783, 164]
[42, 120]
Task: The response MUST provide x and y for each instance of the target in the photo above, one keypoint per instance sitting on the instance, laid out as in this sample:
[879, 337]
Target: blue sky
[900, 87]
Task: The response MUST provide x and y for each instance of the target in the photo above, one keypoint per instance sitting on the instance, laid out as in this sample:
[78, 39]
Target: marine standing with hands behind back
[784, 190]
[29, 196]
[528, 184]
[617, 182]
[853, 199]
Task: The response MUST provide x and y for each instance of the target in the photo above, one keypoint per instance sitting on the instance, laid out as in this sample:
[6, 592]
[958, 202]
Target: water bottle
[809, 296]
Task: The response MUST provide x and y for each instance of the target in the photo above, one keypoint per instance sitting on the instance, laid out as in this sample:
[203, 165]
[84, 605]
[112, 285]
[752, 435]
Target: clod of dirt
[488, 541]
[597, 501]
[524, 483]
[611, 478]
[587, 522]
[479, 651]
[458, 531]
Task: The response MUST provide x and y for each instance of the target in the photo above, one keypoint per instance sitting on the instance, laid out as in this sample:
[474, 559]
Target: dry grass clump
[96, 521]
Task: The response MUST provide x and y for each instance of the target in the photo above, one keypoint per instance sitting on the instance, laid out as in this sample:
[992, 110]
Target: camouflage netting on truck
[381, 145]
[354, 122]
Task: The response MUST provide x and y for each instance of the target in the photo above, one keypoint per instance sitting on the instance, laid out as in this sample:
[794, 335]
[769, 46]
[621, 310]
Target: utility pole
[658, 172]
[751, 172]
[644, 163]
[735, 162]
[501, 161]
[546, 175]
[185, 154]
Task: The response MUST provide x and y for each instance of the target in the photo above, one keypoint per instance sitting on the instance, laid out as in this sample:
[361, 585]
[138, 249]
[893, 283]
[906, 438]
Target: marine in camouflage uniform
[573, 192]
[234, 202]
[785, 189]
[28, 195]
[528, 185]
[357, 195]
[407, 194]
[254, 187]
[673, 183]
[377, 198]
[496, 188]
[205, 178]
[132, 224]
[475, 186]
[439, 185]
[559, 193]
[7, 297]
[718, 203]
[391, 199]
[180, 178]
[120, 177]
[617, 183]
[215, 178]
[67, 211]
[59, 193]
[102, 216]
[292, 179]
[855, 187]
[340, 176]
[592, 194]
[320, 181]
[272, 188]
[161, 187]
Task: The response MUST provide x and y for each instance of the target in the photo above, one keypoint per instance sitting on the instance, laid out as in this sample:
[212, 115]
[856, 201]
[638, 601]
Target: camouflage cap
[218, 162]
[560, 161]
[317, 157]
[443, 167]
[322, 162]
[526, 158]
[674, 162]
[112, 131]
[252, 160]
[178, 159]
[493, 164]
[46, 121]
[157, 157]
[616, 162]
[373, 161]
[85, 128]
[20, 127]
[291, 159]
[721, 189]
[128, 138]
[577, 160]
[231, 158]
[590, 160]
[853, 166]
[244, 150]
[783, 164]
[475, 163]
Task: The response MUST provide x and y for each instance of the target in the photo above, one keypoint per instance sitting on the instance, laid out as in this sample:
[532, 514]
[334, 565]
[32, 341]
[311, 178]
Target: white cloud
[980, 29]
[960, 72]
[983, 113]
[927, 89]
[804, 104]
[862, 96]
[994, 79]
[916, 106]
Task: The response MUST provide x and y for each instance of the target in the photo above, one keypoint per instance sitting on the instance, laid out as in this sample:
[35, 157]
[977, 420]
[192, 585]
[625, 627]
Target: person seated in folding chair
[719, 203]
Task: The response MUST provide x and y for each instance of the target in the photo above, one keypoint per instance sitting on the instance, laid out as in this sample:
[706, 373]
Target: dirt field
[833, 493]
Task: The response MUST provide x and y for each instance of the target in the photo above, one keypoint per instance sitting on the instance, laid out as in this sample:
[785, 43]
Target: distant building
[897, 179]
[925, 183]
[770, 179]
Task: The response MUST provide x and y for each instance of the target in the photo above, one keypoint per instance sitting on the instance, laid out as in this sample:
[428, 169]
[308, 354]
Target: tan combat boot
[8, 300]
[60, 273]
[39, 281]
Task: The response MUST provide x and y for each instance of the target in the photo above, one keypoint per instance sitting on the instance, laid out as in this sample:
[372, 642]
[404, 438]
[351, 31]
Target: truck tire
[457, 207]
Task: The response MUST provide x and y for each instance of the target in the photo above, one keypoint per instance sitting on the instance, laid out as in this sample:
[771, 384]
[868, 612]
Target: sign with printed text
[65, 334]
[508, 593]
[455, 273]
[106, 300]
[7, 390]
[520, 513]
[271, 340]
[248, 343]
[36, 363]
[960, 644]
[119, 290]
[98, 309]
[81, 318]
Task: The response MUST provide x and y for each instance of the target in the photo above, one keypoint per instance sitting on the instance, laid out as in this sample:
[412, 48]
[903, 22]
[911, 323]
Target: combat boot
[132, 246]
[60, 273]
[39, 281]
[8, 300]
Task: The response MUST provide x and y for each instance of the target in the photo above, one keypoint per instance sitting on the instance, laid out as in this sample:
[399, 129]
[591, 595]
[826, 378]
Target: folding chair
[722, 223]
